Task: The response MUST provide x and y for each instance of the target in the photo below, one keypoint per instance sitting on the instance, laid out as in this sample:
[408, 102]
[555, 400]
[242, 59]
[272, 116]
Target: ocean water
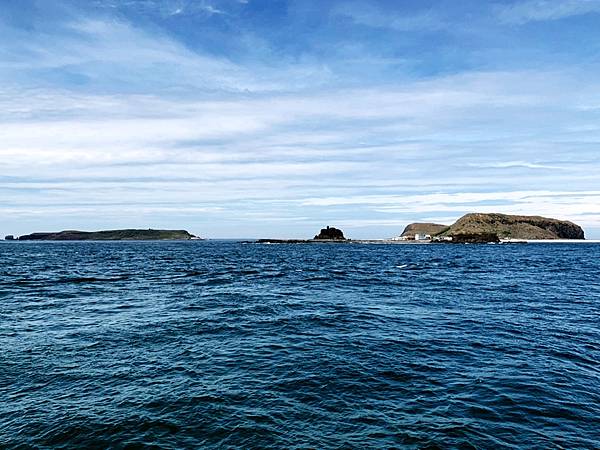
[231, 345]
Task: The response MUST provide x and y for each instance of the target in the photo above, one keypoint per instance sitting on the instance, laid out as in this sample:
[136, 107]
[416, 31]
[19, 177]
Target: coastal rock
[514, 227]
[474, 238]
[331, 234]
[110, 235]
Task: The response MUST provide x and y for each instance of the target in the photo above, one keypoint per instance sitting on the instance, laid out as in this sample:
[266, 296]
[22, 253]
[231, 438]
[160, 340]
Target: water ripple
[231, 345]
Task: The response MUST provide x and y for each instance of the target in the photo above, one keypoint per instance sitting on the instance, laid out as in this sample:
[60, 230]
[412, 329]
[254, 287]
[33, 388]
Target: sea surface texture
[232, 345]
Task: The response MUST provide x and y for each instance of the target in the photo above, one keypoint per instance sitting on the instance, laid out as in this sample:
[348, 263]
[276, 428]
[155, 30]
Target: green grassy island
[111, 235]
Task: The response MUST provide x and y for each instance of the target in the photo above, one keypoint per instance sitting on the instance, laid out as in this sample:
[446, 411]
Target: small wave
[77, 280]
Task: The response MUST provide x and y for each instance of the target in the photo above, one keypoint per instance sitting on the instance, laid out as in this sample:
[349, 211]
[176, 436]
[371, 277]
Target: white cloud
[541, 10]
[229, 141]
[515, 164]
[419, 201]
[99, 51]
[211, 9]
[364, 13]
[415, 124]
[164, 7]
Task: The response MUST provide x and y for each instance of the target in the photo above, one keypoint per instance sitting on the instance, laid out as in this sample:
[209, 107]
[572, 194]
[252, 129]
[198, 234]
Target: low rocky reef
[111, 235]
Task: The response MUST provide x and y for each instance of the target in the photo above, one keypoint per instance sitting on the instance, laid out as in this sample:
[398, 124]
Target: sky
[274, 118]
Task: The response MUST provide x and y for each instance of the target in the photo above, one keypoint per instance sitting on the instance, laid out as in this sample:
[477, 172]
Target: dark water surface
[231, 345]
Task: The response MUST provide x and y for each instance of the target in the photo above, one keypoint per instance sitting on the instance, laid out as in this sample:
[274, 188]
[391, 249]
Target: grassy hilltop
[516, 227]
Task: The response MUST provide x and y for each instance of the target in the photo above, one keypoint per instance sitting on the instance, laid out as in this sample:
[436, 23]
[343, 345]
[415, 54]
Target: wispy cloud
[212, 10]
[307, 153]
[98, 54]
[369, 14]
[164, 7]
[541, 10]
[516, 164]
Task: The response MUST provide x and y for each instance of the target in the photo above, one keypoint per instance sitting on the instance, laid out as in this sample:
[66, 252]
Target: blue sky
[272, 118]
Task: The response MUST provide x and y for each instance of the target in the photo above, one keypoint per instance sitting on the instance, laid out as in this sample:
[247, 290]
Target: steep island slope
[110, 235]
[424, 228]
[515, 227]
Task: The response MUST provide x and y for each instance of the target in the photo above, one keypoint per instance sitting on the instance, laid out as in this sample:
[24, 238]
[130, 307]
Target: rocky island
[424, 229]
[111, 235]
[470, 228]
[517, 227]
[493, 227]
[328, 234]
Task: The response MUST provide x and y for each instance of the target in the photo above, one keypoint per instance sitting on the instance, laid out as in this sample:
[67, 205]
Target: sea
[226, 344]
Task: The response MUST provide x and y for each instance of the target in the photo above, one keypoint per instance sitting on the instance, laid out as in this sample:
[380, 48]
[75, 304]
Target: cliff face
[424, 228]
[111, 235]
[515, 227]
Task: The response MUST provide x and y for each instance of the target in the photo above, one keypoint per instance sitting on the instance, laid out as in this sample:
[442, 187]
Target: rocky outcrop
[423, 228]
[514, 227]
[474, 238]
[330, 234]
[110, 235]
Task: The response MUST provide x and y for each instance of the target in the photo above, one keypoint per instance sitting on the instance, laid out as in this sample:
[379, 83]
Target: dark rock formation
[111, 235]
[331, 234]
[423, 228]
[282, 241]
[474, 238]
[10, 237]
[515, 227]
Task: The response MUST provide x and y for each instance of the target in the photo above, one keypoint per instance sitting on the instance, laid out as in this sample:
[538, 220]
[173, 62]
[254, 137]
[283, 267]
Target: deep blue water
[231, 345]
